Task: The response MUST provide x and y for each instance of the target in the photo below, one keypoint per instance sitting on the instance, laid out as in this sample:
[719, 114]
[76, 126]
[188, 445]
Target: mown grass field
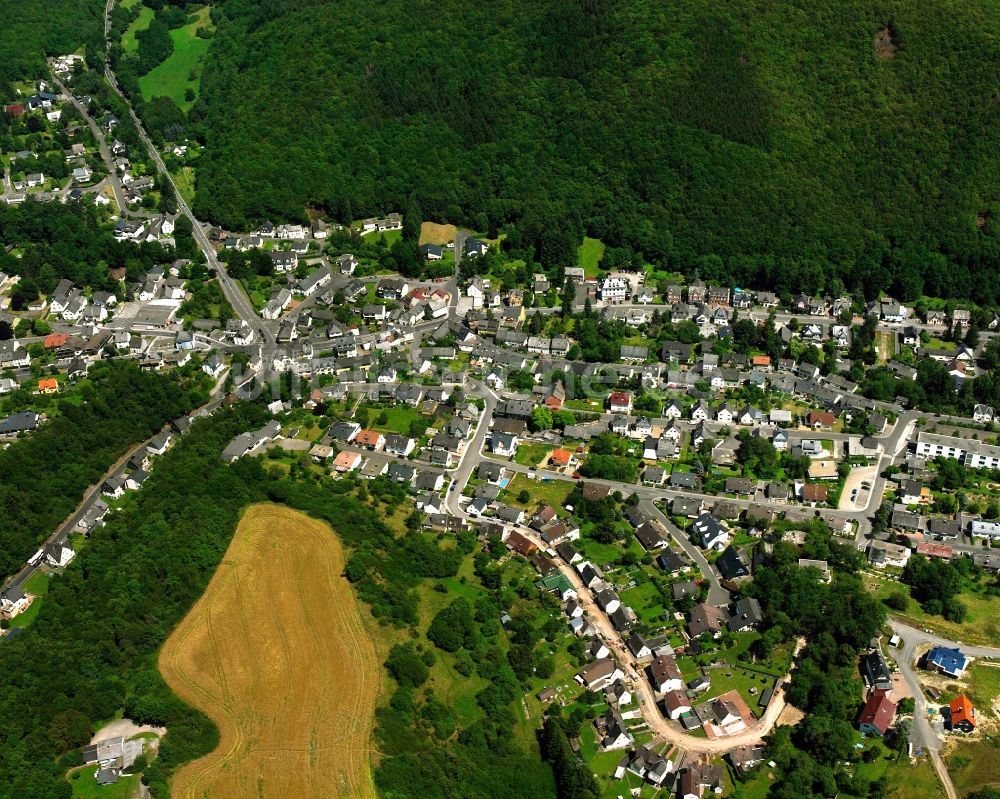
[129, 44]
[182, 70]
[275, 652]
[589, 254]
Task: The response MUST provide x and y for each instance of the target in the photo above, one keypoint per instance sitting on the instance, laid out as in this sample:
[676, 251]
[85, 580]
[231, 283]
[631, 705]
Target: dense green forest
[45, 474]
[838, 621]
[92, 649]
[775, 145]
[32, 30]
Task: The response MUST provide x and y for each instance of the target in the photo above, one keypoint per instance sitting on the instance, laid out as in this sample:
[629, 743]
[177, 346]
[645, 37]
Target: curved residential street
[922, 734]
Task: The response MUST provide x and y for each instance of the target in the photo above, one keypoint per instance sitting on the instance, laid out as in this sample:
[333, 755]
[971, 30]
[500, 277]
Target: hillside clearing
[433, 233]
[140, 23]
[182, 70]
[589, 254]
[275, 653]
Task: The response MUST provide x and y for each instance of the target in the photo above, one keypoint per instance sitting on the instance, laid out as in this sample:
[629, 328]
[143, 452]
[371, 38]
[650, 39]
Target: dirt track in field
[276, 654]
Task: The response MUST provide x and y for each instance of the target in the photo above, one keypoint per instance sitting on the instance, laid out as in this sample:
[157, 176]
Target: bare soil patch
[276, 654]
[885, 43]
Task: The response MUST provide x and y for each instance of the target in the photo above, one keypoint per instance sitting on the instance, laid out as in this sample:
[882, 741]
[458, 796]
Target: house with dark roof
[746, 615]
[731, 565]
[670, 562]
[875, 671]
[652, 536]
[706, 618]
[684, 588]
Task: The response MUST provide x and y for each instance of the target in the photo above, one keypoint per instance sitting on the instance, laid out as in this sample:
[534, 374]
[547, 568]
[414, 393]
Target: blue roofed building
[947, 660]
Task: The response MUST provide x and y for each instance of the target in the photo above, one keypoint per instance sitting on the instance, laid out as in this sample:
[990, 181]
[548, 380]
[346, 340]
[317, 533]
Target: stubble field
[276, 654]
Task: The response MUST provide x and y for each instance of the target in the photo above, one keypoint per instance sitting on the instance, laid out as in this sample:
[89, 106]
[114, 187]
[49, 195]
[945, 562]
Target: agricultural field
[276, 654]
[182, 70]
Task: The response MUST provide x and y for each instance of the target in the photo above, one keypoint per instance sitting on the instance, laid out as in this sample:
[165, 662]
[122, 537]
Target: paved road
[717, 595]
[106, 156]
[234, 294]
[923, 734]
[471, 458]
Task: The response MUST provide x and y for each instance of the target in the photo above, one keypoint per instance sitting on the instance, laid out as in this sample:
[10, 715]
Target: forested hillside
[31, 30]
[778, 144]
[46, 474]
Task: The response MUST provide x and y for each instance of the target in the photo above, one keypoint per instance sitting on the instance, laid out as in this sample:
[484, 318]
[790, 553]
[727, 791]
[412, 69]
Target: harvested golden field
[433, 233]
[276, 654]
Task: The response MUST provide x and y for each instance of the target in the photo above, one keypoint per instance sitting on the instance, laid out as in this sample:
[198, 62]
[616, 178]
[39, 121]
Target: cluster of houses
[912, 530]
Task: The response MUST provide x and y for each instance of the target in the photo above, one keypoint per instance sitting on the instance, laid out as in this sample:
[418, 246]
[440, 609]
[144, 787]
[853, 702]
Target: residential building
[877, 715]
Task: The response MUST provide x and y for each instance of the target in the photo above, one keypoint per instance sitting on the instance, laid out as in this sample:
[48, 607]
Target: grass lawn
[727, 679]
[38, 584]
[974, 765]
[597, 552]
[553, 492]
[129, 44]
[645, 601]
[399, 419]
[584, 405]
[184, 178]
[589, 254]
[390, 237]
[531, 454]
[182, 70]
[908, 781]
[756, 788]
[981, 625]
[84, 785]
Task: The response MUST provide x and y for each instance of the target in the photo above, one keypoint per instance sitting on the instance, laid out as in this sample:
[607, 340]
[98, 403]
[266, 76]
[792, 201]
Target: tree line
[728, 163]
[45, 473]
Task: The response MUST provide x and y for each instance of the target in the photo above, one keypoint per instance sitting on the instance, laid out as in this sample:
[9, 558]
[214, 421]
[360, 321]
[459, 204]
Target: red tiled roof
[879, 711]
[53, 340]
[811, 492]
[368, 438]
[560, 457]
[962, 711]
